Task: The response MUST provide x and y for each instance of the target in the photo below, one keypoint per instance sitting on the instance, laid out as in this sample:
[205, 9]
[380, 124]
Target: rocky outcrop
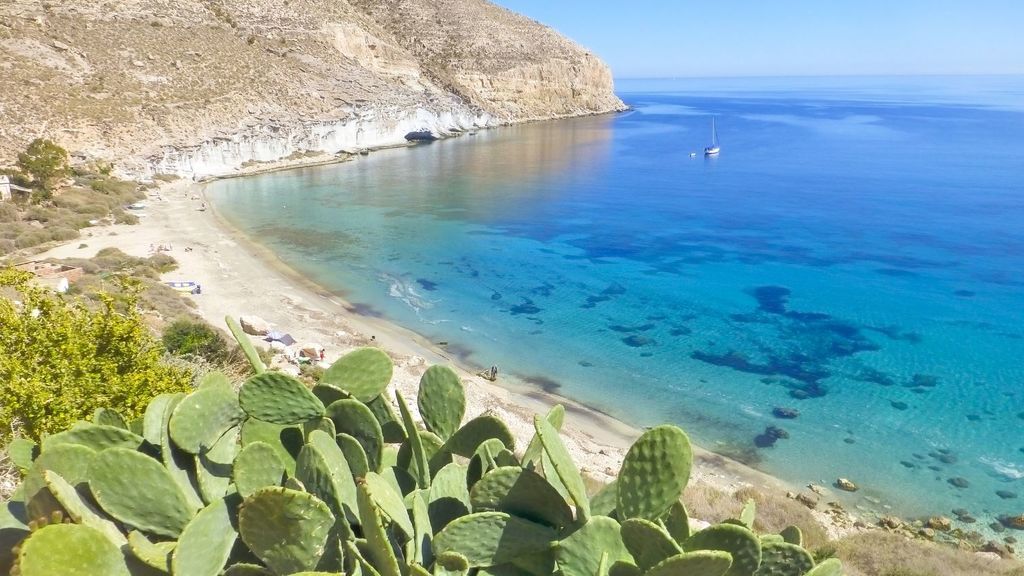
[203, 87]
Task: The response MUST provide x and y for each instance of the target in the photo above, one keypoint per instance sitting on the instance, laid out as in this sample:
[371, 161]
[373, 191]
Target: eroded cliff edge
[203, 87]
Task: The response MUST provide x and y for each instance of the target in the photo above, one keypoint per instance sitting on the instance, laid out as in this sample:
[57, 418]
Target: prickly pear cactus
[279, 398]
[352, 417]
[206, 542]
[742, 545]
[441, 400]
[564, 466]
[477, 431]
[654, 473]
[362, 373]
[138, 491]
[95, 436]
[648, 543]
[246, 345]
[577, 553]
[522, 493]
[703, 563]
[830, 567]
[257, 466]
[203, 417]
[286, 529]
[70, 550]
[782, 559]
[492, 538]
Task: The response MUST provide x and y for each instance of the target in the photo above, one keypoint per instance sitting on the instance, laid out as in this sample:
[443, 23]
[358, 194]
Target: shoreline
[241, 277]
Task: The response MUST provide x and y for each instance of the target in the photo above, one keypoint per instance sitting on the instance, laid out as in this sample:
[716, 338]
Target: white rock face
[254, 325]
[267, 143]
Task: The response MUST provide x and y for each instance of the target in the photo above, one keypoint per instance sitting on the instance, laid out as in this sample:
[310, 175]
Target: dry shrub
[775, 512]
[879, 553]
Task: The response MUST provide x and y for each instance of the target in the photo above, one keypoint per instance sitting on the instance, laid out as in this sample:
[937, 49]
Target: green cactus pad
[94, 436]
[830, 567]
[247, 570]
[378, 546]
[286, 441]
[742, 545]
[70, 461]
[431, 446]
[70, 550]
[448, 497]
[285, 528]
[522, 493]
[246, 345]
[390, 425]
[329, 394]
[577, 554]
[352, 417]
[555, 417]
[138, 491]
[257, 466]
[206, 542]
[81, 510]
[420, 469]
[354, 454]
[213, 466]
[203, 416]
[155, 555]
[179, 464]
[748, 514]
[419, 548]
[364, 373]
[325, 425]
[654, 473]
[648, 543]
[564, 466]
[323, 469]
[792, 535]
[491, 538]
[441, 401]
[154, 421]
[278, 398]
[677, 522]
[603, 503]
[477, 431]
[108, 417]
[389, 502]
[22, 451]
[702, 563]
[783, 559]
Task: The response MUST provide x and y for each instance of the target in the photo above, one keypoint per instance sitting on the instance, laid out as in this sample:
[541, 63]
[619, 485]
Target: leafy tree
[190, 338]
[45, 162]
[60, 359]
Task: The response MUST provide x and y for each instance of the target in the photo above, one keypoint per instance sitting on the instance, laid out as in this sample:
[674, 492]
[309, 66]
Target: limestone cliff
[200, 87]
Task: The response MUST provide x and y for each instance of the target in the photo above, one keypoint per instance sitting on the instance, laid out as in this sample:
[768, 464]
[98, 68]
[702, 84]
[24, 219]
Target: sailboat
[714, 149]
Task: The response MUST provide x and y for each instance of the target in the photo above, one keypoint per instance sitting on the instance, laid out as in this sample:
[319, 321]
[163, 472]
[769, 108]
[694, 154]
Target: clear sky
[667, 38]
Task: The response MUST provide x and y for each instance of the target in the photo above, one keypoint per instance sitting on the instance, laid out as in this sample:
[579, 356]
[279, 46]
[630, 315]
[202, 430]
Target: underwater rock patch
[959, 482]
[527, 307]
[770, 436]
[637, 341]
[427, 284]
[627, 329]
[899, 405]
[1006, 494]
[785, 413]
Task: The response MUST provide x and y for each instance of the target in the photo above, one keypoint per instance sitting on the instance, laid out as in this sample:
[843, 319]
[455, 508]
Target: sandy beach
[238, 277]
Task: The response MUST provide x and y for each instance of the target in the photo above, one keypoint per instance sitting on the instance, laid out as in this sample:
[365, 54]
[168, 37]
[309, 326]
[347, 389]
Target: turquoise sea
[856, 254]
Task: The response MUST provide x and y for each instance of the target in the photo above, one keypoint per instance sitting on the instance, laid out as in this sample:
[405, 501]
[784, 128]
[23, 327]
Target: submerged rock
[1013, 522]
[1006, 494]
[940, 523]
[959, 482]
[846, 485]
[785, 413]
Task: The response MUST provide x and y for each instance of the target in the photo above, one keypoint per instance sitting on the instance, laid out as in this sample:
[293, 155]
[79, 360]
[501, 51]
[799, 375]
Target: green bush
[45, 162]
[187, 337]
[60, 359]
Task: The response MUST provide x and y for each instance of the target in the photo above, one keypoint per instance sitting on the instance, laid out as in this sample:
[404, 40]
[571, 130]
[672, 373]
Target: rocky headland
[206, 87]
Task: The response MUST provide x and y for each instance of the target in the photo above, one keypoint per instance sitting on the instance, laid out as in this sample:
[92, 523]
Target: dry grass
[879, 553]
[9, 476]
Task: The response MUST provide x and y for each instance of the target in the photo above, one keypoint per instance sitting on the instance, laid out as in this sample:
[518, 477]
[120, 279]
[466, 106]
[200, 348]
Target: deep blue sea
[856, 253]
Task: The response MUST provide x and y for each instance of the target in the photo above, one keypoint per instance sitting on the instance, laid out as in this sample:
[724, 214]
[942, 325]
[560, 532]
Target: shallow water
[855, 253]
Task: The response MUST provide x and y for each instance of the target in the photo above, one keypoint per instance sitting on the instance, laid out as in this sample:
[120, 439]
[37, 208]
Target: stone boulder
[254, 325]
[846, 485]
[940, 523]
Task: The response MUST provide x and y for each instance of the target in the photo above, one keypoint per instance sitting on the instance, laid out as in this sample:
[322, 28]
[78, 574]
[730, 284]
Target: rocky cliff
[201, 87]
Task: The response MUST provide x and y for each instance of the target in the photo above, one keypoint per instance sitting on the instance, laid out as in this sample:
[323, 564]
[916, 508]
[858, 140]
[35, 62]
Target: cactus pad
[490, 538]
[70, 550]
[742, 545]
[352, 417]
[246, 345]
[441, 400]
[279, 398]
[354, 454]
[155, 555]
[563, 464]
[206, 542]
[648, 543]
[323, 469]
[477, 431]
[782, 559]
[364, 373]
[792, 535]
[703, 563]
[138, 491]
[285, 528]
[556, 417]
[203, 417]
[677, 522]
[578, 553]
[390, 425]
[81, 510]
[603, 503]
[654, 473]
[22, 451]
[420, 469]
[95, 436]
[213, 466]
[378, 545]
[830, 567]
[108, 417]
[522, 493]
[285, 440]
[389, 502]
[257, 466]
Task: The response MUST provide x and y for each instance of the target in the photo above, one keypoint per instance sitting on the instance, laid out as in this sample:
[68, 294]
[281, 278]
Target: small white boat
[714, 149]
